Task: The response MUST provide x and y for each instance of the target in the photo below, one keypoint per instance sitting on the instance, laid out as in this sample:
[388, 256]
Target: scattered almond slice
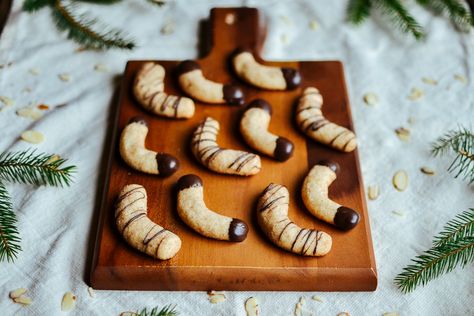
[89, 289]
[17, 293]
[101, 68]
[26, 90]
[429, 81]
[314, 25]
[32, 137]
[373, 192]
[23, 300]
[416, 94]
[391, 314]
[69, 302]
[168, 28]
[251, 307]
[411, 120]
[398, 213]
[403, 133]
[460, 78]
[7, 101]
[34, 71]
[316, 298]
[30, 112]
[128, 314]
[64, 77]
[286, 20]
[298, 309]
[215, 297]
[229, 19]
[371, 98]
[343, 314]
[428, 171]
[400, 180]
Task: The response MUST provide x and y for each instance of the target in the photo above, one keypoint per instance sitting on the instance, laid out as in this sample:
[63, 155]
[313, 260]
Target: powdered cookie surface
[138, 230]
[221, 160]
[194, 212]
[149, 91]
[272, 215]
[312, 122]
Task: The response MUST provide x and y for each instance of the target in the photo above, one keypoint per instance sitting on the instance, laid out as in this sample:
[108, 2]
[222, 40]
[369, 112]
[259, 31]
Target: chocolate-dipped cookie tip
[292, 77]
[187, 66]
[167, 164]
[139, 120]
[188, 181]
[238, 230]
[261, 104]
[233, 94]
[334, 166]
[346, 218]
[284, 149]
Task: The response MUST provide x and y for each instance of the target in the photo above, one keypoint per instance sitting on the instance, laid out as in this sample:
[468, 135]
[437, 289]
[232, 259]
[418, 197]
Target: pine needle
[456, 11]
[9, 236]
[32, 168]
[462, 226]
[401, 17]
[461, 143]
[358, 10]
[157, 2]
[35, 5]
[165, 311]
[83, 30]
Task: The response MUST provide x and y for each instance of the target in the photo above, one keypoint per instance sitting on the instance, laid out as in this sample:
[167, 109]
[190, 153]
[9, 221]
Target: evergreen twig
[456, 11]
[358, 10]
[401, 17]
[9, 236]
[461, 143]
[165, 311]
[453, 247]
[38, 169]
[35, 5]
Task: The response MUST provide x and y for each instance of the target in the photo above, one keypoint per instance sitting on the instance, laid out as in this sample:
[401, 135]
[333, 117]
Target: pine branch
[82, 29]
[456, 11]
[159, 3]
[401, 17]
[38, 169]
[35, 5]
[358, 10]
[461, 142]
[462, 226]
[165, 311]
[9, 236]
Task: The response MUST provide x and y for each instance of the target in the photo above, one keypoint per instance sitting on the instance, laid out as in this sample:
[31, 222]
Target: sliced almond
[7, 101]
[373, 192]
[17, 293]
[403, 133]
[215, 297]
[460, 78]
[26, 90]
[314, 25]
[168, 28]
[229, 18]
[302, 300]
[391, 314]
[30, 112]
[101, 68]
[34, 71]
[298, 309]
[64, 77]
[429, 81]
[90, 290]
[400, 180]
[129, 314]
[398, 213]
[371, 98]
[428, 171]
[251, 307]
[286, 20]
[343, 314]
[32, 137]
[23, 300]
[411, 120]
[416, 94]
[69, 302]
[316, 298]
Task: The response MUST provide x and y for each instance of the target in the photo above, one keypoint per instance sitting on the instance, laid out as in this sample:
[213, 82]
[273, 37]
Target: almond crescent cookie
[138, 230]
[134, 153]
[149, 90]
[315, 197]
[254, 129]
[221, 160]
[262, 76]
[272, 216]
[192, 81]
[194, 212]
[312, 122]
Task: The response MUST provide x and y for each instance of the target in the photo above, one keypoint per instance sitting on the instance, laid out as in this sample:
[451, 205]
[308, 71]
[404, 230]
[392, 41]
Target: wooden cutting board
[255, 264]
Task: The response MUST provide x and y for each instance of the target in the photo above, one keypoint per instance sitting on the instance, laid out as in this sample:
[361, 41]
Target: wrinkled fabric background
[57, 225]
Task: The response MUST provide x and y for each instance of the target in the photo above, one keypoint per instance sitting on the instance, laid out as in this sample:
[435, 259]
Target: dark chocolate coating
[334, 166]
[240, 50]
[238, 230]
[284, 149]
[292, 77]
[138, 119]
[261, 104]
[188, 181]
[233, 94]
[346, 218]
[167, 164]
[187, 66]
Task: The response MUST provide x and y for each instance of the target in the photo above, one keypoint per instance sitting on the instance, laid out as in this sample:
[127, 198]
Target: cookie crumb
[316, 298]
[371, 98]
[32, 137]
[416, 94]
[69, 302]
[400, 180]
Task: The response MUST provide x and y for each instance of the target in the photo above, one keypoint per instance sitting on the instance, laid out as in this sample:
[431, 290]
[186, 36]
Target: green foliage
[461, 143]
[452, 248]
[453, 8]
[165, 311]
[358, 10]
[401, 17]
[9, 236]
[35, 5]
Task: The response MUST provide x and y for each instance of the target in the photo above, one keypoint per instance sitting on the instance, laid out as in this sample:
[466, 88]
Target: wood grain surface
[255, 264]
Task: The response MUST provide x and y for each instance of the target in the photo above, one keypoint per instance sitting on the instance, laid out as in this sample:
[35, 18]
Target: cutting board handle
[231, 28]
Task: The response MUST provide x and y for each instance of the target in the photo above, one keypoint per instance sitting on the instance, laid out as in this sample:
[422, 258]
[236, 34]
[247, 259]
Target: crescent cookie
[221, 160]
[315, 197]
[149, 91]
[192, 81]
[138, 230]
[272, 215]
[133, 151]
[312, 122]
[264, 77]
[194, 212]
[254, 129]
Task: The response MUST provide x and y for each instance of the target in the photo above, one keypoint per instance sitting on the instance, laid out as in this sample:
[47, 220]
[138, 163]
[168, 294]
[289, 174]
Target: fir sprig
[9, 235]
[358, 10]
[461, 143]
[453, 247]
[165, 311]
[401, 17]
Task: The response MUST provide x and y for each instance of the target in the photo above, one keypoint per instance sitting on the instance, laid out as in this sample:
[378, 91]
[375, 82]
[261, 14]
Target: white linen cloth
[55, 224]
